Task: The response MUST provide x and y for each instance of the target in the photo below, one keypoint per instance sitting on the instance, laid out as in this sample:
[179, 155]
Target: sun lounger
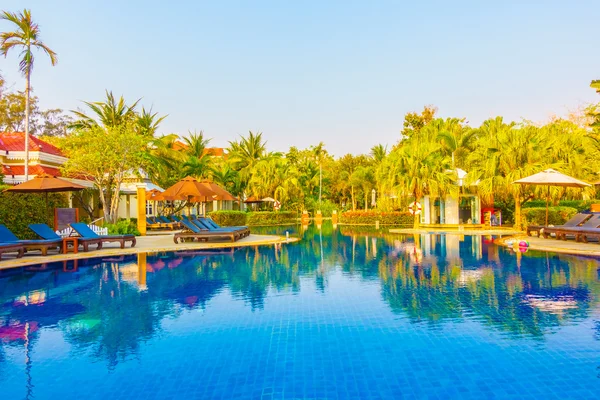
[12, 248]
[151, 223]
[192, 232]
[45, 232]
[87, 233]
[6, 236]
[576, 220]
[561, 232]
[209, 224]
[166, 222]
[582, 232]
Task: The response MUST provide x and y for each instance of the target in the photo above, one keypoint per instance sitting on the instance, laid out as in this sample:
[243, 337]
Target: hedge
[123, 227]
[384, 218]
[579, 205]
[228, 217]
[257, 218]
[18, 210]
[556, 215]
[327, 207]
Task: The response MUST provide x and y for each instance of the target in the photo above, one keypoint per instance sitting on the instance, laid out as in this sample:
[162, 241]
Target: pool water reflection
[341, 314]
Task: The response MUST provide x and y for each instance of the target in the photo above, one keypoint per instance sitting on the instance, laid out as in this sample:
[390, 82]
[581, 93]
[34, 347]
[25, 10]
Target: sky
[341, 72]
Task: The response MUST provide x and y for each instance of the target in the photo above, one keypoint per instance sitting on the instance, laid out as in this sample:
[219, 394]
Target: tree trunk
[518, 213]
[114, 204]
[27, 90]
[353, 200]
[105, 203]
[417, 217]
[366, 201]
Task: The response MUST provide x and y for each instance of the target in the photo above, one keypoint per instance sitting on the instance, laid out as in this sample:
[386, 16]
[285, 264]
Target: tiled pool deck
[535, 243]
[145, 244]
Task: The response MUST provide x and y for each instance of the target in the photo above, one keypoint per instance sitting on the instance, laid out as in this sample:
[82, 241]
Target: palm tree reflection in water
[427, 279]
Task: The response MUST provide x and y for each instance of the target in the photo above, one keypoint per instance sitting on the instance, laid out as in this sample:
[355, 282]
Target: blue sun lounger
[6, 236]
[45, 232]
[87, 233]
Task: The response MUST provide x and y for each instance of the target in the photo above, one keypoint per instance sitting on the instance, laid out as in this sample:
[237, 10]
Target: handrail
[96, 220]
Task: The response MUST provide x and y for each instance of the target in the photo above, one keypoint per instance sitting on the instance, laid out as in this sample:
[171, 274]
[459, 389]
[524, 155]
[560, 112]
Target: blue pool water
[339, 315]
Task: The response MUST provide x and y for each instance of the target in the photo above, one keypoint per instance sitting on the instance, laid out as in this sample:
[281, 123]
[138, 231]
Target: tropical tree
[378, 153]
[423, 169]
[245, 153]
[105, 156]
[456, 139]
[25, 37]
[594, 109]
[148, 122]
[499, 160]
[320, 153]
[109, 113]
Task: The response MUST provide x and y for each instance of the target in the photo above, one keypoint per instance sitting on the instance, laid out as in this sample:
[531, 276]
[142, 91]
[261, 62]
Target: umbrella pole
[547, 200]
[46, 206]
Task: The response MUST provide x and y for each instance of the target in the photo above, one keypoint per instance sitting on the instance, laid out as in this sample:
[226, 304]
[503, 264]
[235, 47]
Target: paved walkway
[510, 238]
[483, 232]
[145, 244]
[553, 245]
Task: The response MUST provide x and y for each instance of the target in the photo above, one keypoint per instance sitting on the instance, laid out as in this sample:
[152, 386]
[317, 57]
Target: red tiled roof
[33, 170]
[215, 151]
[15, 141]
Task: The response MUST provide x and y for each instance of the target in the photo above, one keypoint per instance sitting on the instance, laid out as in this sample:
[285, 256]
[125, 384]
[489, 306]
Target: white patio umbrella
[551, 177]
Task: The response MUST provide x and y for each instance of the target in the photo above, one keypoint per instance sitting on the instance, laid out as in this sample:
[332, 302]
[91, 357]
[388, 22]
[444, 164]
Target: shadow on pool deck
[145, 244]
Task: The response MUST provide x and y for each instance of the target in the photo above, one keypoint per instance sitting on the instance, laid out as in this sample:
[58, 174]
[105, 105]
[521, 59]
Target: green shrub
[229, 217]
[123, 227]
[556, 215]
[384, 218]
[257, 218]
[579, 205]
[18, 210]
[326, 207]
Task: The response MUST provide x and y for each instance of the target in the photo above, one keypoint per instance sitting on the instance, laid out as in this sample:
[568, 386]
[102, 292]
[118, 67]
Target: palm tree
[26, 37]
[248, 150]
[378, 153]
[112, 113]
[196, 144]
[457, 140]
[319, 153]
[148, 122]
[424, 169]
[245, 153]
[511, 155]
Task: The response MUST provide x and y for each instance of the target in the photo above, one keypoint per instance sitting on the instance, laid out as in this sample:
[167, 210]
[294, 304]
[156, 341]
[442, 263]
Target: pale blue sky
[341, 72]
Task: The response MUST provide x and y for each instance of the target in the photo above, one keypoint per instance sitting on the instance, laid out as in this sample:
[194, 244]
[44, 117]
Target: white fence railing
[69, 231]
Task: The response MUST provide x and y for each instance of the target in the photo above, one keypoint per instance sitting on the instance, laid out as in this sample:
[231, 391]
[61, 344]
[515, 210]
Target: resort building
[452, 210]
[44, 158]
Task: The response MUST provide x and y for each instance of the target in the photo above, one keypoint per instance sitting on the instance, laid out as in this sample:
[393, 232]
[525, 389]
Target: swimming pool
[339, 315]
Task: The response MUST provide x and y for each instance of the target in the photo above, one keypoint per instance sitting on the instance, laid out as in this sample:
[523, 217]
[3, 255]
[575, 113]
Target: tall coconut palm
[511, 155]
[424, 169]
[378, 153]
[245, 153]
[456, 139]
[320, 153]
[148, 122]
[26, 37]
[248, 150]
[196, 144]
[111, 113]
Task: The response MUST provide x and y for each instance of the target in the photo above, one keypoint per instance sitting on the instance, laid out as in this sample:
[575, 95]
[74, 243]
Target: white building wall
[451, 210]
